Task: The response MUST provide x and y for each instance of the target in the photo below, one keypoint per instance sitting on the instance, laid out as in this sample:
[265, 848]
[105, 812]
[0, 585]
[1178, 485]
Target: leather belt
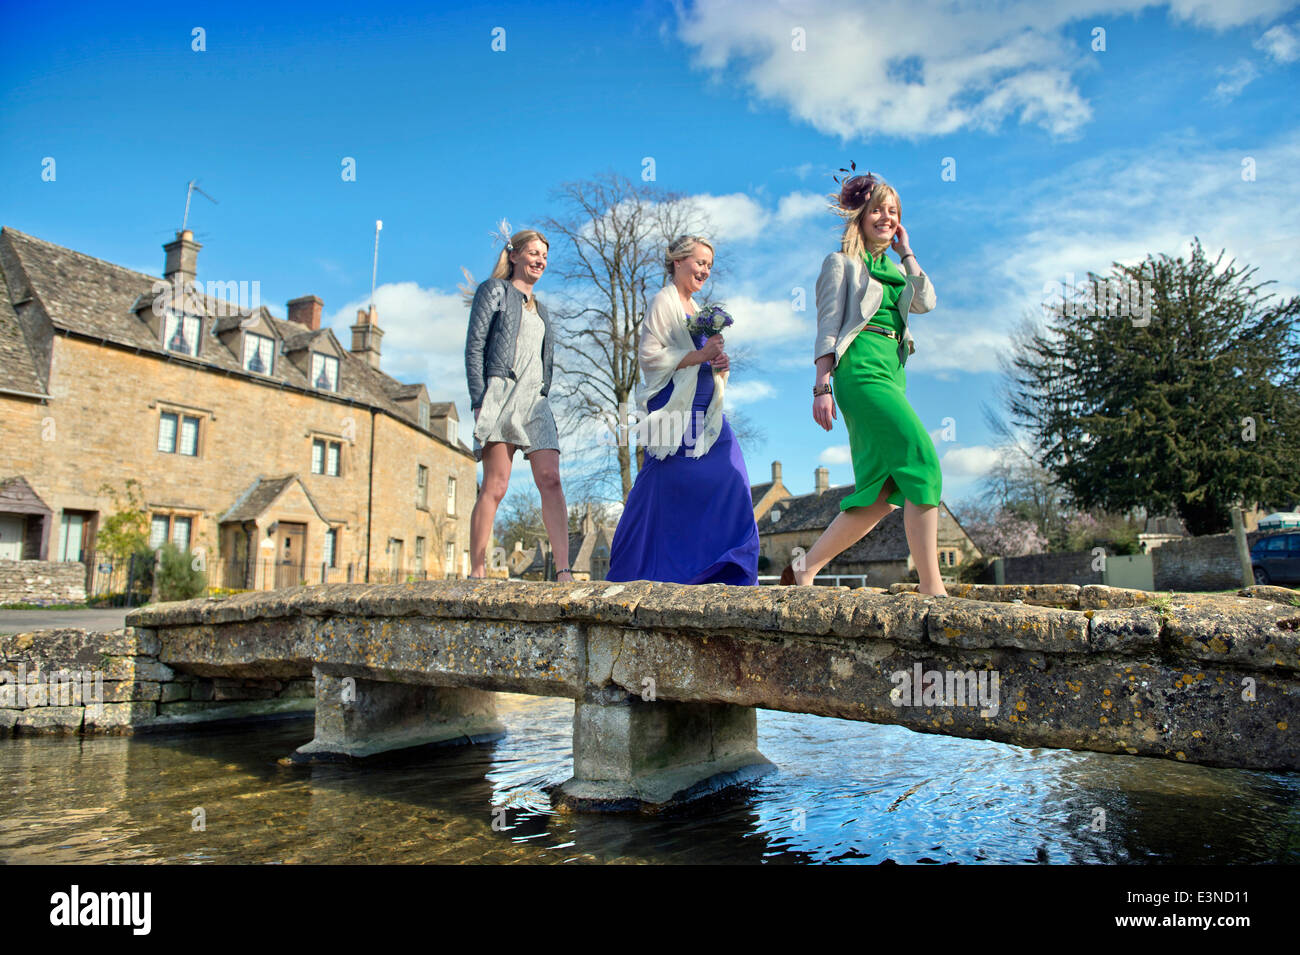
[885, 331]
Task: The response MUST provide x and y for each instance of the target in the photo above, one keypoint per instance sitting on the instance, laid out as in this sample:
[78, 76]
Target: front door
[11, 537]
[293, 554]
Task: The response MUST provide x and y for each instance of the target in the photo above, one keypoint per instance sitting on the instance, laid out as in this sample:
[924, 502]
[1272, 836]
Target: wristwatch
[822, 389]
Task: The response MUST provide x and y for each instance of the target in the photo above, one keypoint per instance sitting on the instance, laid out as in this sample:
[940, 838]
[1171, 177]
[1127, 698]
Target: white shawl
[665, 341]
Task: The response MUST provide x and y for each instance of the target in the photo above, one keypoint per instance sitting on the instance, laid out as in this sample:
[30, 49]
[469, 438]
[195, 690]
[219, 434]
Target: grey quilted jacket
[493, 337]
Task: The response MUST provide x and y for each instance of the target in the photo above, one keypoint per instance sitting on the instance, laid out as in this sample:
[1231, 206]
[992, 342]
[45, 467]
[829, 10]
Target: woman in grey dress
[508, 357]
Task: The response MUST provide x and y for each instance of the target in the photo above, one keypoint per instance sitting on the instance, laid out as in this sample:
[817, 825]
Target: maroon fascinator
[855, 190]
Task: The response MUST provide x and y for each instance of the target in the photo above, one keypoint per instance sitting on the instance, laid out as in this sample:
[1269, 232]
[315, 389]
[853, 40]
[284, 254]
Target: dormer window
[424, 414]
[181, 332]
[324, 372]
[259, 353]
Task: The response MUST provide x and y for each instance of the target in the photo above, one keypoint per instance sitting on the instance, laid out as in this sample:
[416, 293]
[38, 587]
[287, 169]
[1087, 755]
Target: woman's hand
[711, 350]
[900, 243]
[824, 411]
[722, 363]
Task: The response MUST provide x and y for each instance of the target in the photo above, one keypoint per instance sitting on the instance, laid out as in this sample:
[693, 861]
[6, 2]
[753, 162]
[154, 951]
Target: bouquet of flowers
[707, 322]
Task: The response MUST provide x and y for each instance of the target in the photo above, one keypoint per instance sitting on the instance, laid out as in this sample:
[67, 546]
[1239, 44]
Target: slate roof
[756, 492]
[87, 296]
[887, 541]
[261, 494]
[17, 496]
[806, 511]
[17, 369]
[814, 512]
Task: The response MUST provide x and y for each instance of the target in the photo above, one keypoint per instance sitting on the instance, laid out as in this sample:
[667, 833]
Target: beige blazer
[847, 297]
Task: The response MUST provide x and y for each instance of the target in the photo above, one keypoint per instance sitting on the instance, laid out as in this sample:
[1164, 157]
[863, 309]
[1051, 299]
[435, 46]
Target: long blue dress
[689, 520]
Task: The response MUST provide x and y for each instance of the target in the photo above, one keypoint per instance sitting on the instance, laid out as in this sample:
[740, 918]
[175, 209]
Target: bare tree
[610, 263]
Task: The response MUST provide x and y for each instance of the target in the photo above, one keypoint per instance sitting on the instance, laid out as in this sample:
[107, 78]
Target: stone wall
[70, 681]
[1199, 563]
[42, 581]
[1188, 564]
[1070, 568]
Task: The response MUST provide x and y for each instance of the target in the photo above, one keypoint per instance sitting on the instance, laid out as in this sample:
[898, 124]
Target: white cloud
[760, 323]
[1220, 16]
[835, 454]
[917, 68]
[424, 339]
[972, 462]
[740, 217]
[1235, 79]
[1281, 43]
[747, 392]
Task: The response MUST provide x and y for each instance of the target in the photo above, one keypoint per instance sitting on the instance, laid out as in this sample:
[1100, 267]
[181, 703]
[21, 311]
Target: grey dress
[516, 411]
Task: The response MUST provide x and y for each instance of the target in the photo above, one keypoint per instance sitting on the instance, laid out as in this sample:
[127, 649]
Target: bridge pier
[630, 754]
[357, 718]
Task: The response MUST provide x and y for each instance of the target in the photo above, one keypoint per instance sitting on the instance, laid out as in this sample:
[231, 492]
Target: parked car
[1275, 559]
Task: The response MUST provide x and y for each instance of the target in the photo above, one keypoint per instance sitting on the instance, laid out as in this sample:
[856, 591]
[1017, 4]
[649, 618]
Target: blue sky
[1066, 157]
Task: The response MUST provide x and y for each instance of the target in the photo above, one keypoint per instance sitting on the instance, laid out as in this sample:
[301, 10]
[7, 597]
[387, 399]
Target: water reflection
[844, 792]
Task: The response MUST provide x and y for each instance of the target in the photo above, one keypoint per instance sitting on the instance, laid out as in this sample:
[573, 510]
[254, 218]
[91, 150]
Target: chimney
[306, 311]
[823, 479]
[588, 522]
[776, 472]
[182, 260]
[365, 337]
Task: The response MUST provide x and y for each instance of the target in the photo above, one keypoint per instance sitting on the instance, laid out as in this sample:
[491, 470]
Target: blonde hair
[852, 243]
[681, 248]
[504, 268]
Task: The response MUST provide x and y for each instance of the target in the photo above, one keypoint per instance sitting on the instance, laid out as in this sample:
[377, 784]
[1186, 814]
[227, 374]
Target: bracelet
[908, 256]
[822, 389]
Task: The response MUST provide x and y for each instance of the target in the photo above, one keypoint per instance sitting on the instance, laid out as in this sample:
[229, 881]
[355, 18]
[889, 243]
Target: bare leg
[847, 529]
[921, 524]
[555, 513]
[497, 458]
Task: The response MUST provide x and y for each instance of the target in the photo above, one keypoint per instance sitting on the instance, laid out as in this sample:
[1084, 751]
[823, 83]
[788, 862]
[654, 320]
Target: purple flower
[709, 320]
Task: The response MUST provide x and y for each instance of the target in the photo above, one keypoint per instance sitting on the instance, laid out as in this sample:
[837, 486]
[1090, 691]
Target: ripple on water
[844, 792]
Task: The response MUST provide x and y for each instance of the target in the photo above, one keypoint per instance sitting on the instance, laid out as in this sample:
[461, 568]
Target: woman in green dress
[863, 300]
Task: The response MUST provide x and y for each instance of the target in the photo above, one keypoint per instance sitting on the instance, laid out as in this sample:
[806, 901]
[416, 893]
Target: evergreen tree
[1172, 385]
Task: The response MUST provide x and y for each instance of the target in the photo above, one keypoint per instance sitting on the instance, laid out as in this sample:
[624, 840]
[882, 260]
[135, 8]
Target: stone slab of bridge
[666, 678]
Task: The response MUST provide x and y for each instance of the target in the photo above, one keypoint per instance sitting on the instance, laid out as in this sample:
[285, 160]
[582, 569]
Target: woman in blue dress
[688, 518]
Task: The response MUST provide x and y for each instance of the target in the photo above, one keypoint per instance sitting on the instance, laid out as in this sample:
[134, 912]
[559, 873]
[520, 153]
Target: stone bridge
[666, 679]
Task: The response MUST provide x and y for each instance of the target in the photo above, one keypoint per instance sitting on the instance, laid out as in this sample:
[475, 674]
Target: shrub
[177, 578]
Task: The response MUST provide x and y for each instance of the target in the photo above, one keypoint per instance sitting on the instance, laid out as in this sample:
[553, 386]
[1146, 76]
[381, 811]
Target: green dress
[886, 438]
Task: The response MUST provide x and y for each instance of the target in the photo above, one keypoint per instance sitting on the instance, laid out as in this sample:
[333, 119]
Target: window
[421, 485]
[324, 372]
[449, 560]
[325, 456]
[947, 558]
[181, 532]
[451, 431]
[181, 333]
[164, 527]
[259, 353]
[70, 537]
[331, 547]
[170, 442]
[424, 414]
[451, 495]
[419, 553]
